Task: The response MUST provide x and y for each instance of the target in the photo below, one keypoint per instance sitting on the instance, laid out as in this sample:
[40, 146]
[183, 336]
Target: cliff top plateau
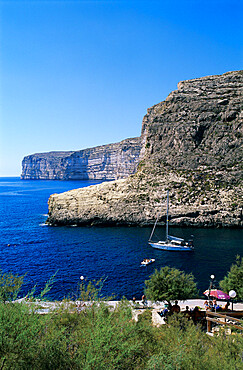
[191, 145]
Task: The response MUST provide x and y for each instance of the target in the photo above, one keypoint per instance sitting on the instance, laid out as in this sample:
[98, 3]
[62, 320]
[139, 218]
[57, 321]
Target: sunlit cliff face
[106, 162]
[192, 145]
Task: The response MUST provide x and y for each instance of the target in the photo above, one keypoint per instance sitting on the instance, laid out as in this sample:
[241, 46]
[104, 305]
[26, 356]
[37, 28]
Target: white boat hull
[170, 247]
[147, 262]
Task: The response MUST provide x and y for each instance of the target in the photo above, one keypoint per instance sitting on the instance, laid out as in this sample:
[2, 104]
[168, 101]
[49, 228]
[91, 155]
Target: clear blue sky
[77, 74]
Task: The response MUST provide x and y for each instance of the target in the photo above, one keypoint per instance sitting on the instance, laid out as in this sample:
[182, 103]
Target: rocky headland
[191, 145]
[106, 162]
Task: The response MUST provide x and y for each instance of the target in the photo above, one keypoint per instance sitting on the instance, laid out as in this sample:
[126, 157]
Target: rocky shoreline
[115, 204]
[192, 145]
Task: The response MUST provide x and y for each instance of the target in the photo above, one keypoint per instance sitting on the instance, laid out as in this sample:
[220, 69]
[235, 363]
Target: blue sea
[28, 246]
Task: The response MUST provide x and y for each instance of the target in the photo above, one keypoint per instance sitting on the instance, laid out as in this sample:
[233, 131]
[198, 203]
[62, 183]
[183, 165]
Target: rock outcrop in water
[107, 162]
[192, 145]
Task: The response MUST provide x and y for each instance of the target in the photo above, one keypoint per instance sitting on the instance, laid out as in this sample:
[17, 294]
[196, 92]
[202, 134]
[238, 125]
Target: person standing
[206, 305]
[144, 300]
[175, 308]
[214, 304]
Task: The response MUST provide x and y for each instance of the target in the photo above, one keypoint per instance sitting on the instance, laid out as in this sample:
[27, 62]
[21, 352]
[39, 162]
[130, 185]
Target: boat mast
[167, 219]
[150, 238]
[167, 216]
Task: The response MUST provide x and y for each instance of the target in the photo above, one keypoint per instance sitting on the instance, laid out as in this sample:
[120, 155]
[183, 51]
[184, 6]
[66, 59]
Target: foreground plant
[185, 346]
[10, 286]
[100, 338]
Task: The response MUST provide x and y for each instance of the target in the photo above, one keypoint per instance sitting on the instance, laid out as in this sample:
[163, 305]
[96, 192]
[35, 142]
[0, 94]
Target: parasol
[217, 294]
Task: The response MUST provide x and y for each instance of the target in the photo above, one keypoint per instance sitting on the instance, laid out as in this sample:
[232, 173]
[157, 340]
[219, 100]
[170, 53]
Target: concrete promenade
[190, 302]
[138, 307]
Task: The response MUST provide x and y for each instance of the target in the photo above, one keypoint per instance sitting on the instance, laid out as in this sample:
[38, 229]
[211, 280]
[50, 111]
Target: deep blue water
[94, 252]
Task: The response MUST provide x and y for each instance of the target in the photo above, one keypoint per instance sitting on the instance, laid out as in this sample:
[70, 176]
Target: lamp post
[81, 287]
[212, 277]
[232, 295]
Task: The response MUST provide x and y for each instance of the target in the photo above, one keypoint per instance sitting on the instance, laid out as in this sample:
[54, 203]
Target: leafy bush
[170, 284]
[234, 279]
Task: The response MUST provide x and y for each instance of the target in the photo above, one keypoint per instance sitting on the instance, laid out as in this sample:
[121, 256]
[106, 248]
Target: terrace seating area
[229, 319]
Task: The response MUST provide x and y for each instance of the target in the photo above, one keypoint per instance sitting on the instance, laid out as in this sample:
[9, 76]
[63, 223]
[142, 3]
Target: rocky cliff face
[192, 145]
[106, 162]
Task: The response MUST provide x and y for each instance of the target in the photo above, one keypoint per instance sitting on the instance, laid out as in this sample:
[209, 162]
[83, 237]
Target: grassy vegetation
[99, 338]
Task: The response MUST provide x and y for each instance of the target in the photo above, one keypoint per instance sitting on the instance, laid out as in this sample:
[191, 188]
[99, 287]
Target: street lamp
[81, 287]
[232, 295]
[212, 277]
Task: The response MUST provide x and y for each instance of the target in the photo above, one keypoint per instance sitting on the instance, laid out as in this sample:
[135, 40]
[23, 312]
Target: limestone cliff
[107, 162]
[193, 147]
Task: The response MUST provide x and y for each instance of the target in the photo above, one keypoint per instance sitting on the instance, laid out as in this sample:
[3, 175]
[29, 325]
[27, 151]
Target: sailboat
[171, 243]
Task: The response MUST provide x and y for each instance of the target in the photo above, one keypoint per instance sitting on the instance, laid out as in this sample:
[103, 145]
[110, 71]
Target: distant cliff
[107, 162]
[192, 145]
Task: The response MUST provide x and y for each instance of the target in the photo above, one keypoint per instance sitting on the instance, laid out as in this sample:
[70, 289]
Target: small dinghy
[147, 261]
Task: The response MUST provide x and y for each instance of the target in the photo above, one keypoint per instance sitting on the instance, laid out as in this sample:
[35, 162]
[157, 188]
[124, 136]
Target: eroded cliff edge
[106, 162]
[192, 146]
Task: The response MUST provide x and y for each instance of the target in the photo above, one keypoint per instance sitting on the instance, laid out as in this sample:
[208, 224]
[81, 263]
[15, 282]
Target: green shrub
[234, 279]
[10, 286]
[170, 284]
[101, 338]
